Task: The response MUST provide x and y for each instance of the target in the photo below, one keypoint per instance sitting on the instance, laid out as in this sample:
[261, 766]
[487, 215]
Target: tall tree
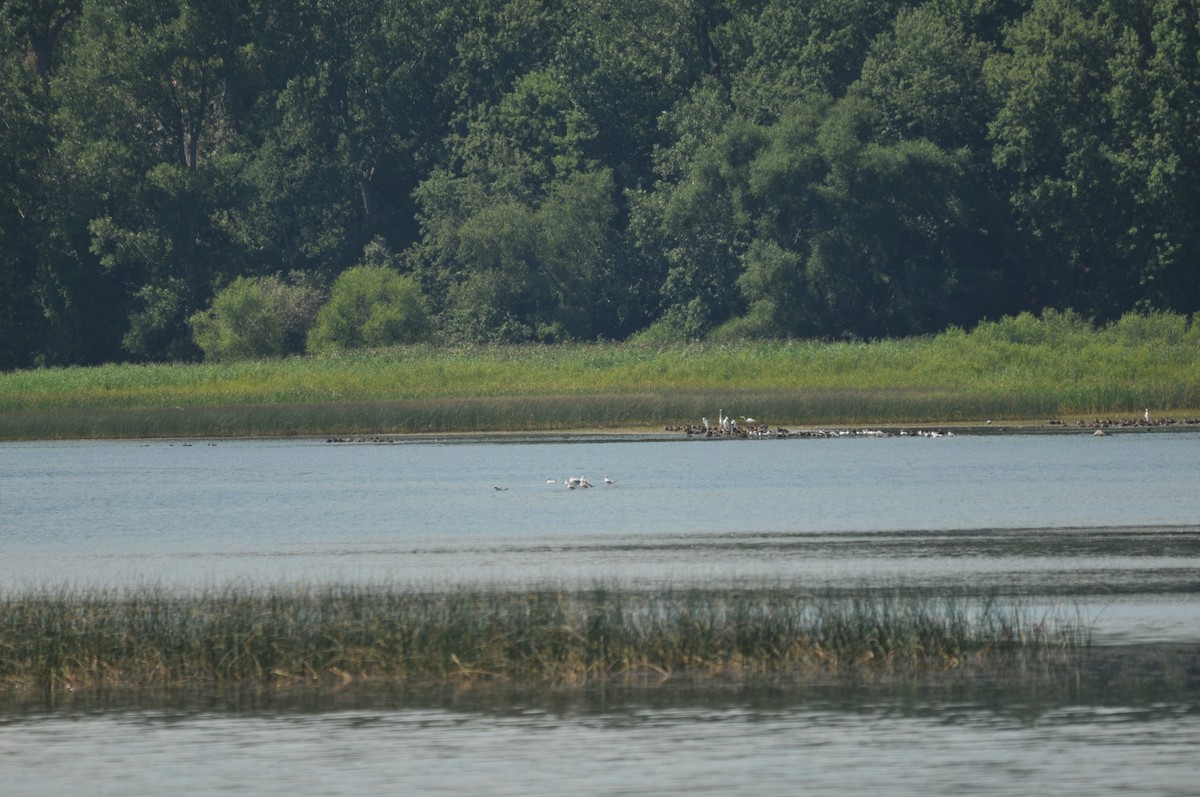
[926, 76]
[1078, 136]
[360, 121]
[24, 137]
[147, 145]
[626, 62]
[1166, 157]
[788, 51]
[41, 24]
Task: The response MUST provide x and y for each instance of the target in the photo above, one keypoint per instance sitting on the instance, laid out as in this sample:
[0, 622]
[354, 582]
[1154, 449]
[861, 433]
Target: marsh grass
[1022, 368]
[59, 640]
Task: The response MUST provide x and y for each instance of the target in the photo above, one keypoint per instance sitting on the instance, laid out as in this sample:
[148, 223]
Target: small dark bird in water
[498, 487]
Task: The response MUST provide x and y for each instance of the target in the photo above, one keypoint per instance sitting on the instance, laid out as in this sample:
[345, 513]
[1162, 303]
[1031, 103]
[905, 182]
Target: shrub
[1053, 327]
[758, 324]
[370, 306]
[256, 317]
[239, 324]
[1140, 329]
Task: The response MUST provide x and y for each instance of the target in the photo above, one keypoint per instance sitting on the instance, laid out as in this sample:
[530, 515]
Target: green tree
[240, 324]
[371, 305]
[624, 63]
[23, 134]
[358, 123]
[515, 271]
[708, 222]
[257, 317]
[812, 227]
[1158, 105]
[785, 52]
[1070, 107]
[926, 76]
[148, 144]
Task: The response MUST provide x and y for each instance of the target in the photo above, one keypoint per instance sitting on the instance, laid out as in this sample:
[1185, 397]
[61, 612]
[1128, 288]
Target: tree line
[181, 178]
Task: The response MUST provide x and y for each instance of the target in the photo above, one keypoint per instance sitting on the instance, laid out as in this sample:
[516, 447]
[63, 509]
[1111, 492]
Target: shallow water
[1112, 524]
[1107, 527]
[1132, 735]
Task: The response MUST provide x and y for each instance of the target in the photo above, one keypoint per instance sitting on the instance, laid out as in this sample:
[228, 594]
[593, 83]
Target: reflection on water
[1125, 721]
[1105, 527]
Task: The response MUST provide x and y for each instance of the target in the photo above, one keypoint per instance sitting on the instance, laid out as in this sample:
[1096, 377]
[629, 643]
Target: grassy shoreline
[282, 637]
[1022, 370]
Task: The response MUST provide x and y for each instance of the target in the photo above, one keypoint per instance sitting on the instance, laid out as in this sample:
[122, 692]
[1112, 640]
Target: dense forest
[557, 170]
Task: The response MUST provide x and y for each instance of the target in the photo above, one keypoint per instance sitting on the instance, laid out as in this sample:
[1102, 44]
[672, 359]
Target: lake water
[1109, 527]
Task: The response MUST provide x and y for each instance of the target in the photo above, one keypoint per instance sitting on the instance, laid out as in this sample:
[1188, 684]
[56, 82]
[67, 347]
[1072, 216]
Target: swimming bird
[608, 480]
[498, 487]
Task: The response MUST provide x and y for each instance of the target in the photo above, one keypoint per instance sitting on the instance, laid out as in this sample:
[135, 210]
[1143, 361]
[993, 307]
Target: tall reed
[71, 639]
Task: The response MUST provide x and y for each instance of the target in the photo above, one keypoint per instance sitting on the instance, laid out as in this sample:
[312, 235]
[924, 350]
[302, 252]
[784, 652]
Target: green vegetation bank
[221, 179]
[1020, 369]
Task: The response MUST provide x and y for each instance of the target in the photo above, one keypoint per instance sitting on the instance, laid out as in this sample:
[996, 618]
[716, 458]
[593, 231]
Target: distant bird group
[572, 483]
[726, 426]
[581, 482]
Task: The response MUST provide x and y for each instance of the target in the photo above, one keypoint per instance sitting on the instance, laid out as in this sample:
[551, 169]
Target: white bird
[608, 480]
[551, 481]
[748, 420]
[705, 422]
[1147, 415]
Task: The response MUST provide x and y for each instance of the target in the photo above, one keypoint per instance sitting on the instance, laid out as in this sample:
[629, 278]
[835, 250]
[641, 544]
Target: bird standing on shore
[1147, 415]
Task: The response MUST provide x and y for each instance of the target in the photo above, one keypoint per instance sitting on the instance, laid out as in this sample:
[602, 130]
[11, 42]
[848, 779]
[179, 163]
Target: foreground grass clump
[73, 640]
[1019, 368]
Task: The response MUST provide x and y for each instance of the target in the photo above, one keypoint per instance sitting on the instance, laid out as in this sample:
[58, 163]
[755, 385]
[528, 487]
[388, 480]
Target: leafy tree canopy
[521, 170]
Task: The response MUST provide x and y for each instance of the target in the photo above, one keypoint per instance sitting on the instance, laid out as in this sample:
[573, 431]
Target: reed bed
[70, 640]
[1022, 368]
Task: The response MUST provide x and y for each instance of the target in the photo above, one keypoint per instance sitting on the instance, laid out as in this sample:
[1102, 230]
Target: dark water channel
[1106, 527]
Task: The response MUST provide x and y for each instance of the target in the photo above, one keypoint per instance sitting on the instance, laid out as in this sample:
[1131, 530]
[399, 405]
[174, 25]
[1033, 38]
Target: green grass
[59, 640]
[1016, 369]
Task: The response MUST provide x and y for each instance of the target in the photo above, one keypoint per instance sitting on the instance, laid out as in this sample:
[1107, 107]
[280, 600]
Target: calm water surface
[1109, 526]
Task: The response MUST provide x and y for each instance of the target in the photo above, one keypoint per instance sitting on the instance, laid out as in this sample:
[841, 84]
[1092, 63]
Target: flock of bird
[578, 482]
[572, 483]
[728, 426]
[1147, 420]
